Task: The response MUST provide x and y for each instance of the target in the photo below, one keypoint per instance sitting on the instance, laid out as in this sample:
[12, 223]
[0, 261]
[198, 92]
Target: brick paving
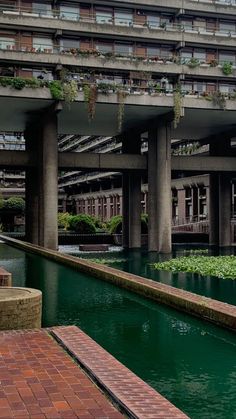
[39, 380]
[138, 398]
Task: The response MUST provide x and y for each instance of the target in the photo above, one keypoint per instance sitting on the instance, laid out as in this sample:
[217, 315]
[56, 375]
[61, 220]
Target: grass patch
[219, 266]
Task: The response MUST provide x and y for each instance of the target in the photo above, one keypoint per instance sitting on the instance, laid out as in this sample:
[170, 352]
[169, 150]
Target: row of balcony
[173, 63]
[217, 93]
[108, 15]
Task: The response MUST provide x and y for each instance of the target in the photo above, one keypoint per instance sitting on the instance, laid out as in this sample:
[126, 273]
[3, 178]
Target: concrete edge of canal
[216, 312]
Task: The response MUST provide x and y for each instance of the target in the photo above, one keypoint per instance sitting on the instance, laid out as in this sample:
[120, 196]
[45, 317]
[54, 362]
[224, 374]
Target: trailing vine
[218, 99]
[121, 95]
[70, 91]
[177, 106]
[90, 97]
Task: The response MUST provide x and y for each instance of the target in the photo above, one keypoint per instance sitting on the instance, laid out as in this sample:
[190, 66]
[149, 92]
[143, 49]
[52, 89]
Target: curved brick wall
[20, 308]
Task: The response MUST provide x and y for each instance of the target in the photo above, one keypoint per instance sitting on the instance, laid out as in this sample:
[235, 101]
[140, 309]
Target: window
[226, 56]
[199, 87]
[69, 13]
[123, 49]
[225, 26]
[123, 18]
[43, 44]
[153, 21]
[227, 88]
[67, 44]
[103, 16]
[42, 75]
[42, 9]
[186, 55]
[153, 51]
[104, 48]
[200, 55]
[187, 87]
[7, 43]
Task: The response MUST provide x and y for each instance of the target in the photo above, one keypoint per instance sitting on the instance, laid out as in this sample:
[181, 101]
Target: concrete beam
[16, 159]
[206, 164]
[103, 162]
[119, 162]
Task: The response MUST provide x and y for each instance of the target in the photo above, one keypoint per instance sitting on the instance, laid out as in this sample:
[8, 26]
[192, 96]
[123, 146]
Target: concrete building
[155, 72]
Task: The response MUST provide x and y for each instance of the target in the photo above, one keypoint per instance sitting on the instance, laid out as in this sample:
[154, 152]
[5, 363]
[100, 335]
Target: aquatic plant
[219, 266]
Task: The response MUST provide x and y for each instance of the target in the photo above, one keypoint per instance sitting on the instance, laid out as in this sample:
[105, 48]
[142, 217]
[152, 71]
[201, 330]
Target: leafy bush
[18, 83]
[82, 224]
[56, 90]
[115, 224]
[14, 203]
[64, 220]
[227, 68]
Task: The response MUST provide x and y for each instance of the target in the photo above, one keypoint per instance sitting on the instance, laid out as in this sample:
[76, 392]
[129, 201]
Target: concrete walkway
[39, 379]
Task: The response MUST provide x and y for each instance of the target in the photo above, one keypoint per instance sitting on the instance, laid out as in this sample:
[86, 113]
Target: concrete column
[131, 197]
[224, 210]
[159, 184]
[48, 169]
[220, 198]
[125, 210]
[214, 209]
[135, 211]
[32, 191]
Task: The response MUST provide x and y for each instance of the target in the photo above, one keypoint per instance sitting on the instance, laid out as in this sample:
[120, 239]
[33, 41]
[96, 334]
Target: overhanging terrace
[201, 118]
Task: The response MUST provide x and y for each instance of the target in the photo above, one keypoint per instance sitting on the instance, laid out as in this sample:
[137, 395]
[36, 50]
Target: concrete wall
[20, 308]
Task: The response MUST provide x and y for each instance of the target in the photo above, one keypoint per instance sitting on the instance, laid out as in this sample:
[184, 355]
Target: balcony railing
[162, 59]
[100, 19]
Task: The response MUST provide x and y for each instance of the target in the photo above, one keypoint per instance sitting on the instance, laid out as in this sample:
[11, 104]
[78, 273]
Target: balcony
[164, 31]
[171, 64]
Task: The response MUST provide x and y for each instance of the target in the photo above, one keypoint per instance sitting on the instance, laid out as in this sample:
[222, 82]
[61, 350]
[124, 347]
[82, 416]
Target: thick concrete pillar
[159, 189]
[224, 210]
[32, 191]
[214, 209]
[48, 179]
[220, 197]
[131, 200]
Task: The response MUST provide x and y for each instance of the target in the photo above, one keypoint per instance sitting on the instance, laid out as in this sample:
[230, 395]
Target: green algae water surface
[189, 361]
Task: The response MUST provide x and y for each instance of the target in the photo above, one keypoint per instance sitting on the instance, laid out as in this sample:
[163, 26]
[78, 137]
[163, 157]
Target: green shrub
[114, 226]
[227, 68]
[56, 90]
[14, 203]
[5, 81]
[18, 83]
[63, 220]
[82, 224]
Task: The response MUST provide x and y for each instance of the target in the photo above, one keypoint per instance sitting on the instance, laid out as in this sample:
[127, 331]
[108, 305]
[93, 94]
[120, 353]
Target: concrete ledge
[205, 308]
[20, 308]
[136, 398]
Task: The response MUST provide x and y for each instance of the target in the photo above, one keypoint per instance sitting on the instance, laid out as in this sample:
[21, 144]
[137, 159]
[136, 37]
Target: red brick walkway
[39, 380]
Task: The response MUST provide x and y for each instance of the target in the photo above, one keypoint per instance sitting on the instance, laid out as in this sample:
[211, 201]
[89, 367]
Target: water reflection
[140, 262]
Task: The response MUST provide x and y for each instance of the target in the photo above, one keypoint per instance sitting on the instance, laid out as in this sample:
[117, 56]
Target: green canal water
[189, 361]
[140, 263]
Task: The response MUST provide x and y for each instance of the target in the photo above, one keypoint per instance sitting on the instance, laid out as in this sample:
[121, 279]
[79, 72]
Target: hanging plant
[121, 95]
[90, 97]
[218, 99]
[177, 106]
[70, 91]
